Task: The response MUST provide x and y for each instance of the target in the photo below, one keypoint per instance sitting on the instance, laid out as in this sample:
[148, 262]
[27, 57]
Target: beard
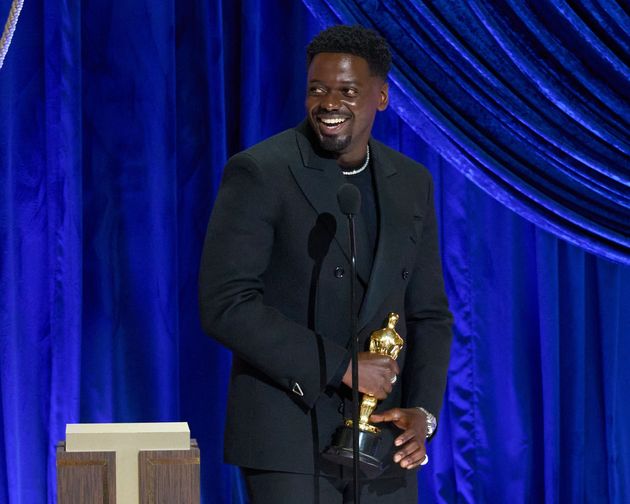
[334, 144]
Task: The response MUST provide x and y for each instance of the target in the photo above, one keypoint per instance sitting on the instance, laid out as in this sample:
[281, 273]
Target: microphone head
[349, 198]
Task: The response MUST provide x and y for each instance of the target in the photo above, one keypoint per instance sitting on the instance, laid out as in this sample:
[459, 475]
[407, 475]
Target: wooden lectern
[145, 463]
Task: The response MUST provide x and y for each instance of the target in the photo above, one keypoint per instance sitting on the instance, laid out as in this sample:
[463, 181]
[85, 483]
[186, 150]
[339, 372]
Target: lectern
[128, 463]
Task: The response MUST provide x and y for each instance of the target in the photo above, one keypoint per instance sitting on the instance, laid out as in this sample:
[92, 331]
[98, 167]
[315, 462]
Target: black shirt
[367, 220]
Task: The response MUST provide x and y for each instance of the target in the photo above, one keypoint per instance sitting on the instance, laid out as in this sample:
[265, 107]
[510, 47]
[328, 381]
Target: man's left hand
[413, 422]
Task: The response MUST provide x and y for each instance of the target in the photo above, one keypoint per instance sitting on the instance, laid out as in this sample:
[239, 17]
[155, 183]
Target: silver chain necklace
[363, 167]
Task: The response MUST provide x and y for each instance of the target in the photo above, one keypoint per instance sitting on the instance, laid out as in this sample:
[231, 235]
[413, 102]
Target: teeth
[332, 122]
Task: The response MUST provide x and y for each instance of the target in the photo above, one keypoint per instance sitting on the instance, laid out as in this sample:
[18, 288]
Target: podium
[145, 463]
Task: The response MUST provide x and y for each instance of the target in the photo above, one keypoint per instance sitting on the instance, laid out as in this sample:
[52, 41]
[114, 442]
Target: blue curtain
[530, 100]
[115, 122]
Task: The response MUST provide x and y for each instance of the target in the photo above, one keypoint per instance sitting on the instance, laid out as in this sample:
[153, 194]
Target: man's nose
[331, 102]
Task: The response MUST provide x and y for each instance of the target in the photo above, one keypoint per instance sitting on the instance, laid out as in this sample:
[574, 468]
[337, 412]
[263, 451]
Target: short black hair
[356, 40]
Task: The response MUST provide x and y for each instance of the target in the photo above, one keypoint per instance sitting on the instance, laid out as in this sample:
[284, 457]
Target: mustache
[326, 114]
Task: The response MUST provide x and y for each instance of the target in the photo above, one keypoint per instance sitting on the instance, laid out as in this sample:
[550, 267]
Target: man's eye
[316, 91]
[350, 92]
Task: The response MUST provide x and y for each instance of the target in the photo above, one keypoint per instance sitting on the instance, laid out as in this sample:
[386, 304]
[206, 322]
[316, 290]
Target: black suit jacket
[275, 287]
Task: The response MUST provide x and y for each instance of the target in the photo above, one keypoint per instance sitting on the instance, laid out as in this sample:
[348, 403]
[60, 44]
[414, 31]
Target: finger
[377, 388]
[406, 436]
[413, 460]
[422, 462]
[384, 384]
[408, 450]
[384, 388]
[380, 394]
[412, 455]
[395, 368]
[391, 415]
[388, 365]
[388, 386]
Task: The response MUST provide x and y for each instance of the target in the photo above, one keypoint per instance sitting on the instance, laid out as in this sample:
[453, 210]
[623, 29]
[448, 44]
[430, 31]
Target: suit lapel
[319, 179]
[390, 237]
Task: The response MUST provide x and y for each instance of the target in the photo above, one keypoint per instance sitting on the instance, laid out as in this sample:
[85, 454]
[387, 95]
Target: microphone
[349, 198]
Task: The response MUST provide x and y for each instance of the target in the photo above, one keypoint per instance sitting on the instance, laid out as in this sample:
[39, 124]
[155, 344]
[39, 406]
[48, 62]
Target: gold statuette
[384, 341]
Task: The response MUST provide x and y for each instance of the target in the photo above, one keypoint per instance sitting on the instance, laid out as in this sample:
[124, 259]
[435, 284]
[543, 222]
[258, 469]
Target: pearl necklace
[359, 170]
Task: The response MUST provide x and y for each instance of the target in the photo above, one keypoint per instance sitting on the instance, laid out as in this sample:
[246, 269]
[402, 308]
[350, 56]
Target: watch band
[431, 421]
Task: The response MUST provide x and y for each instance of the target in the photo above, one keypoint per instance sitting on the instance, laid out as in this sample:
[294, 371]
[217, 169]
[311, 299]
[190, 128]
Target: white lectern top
[127, 439]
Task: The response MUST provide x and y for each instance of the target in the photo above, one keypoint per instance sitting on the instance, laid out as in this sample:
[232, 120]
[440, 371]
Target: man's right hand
[376, 374]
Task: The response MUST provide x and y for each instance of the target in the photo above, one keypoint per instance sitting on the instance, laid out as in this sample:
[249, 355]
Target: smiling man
[275, 287]
[342, 100]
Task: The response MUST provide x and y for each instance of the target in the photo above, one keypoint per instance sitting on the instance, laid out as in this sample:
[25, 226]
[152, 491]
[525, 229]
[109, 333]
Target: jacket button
[339, 272]
[405, 274]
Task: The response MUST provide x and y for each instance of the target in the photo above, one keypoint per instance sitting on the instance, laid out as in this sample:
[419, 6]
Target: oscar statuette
[384, 341]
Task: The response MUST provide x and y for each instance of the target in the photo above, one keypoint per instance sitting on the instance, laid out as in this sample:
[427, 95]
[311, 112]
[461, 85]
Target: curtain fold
[64, 217]
[534, 391]
[529, 101]
[40, 255]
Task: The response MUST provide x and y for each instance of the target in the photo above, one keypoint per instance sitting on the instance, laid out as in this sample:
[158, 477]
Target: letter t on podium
[127, 441]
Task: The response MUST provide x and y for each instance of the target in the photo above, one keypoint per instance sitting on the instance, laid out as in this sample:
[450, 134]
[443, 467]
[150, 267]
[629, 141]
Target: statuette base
[340, 452]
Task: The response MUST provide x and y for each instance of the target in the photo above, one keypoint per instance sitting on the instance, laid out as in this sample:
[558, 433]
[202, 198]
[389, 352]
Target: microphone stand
[349, 198]
[355, 360]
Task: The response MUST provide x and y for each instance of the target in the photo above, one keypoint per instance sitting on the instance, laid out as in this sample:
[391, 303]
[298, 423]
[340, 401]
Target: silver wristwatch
[431, 422]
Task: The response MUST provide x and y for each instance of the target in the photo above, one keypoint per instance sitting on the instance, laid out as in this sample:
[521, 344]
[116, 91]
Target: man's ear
[384, 97]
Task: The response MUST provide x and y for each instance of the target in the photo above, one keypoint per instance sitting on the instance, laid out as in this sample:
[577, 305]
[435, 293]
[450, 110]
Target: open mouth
[332, 125]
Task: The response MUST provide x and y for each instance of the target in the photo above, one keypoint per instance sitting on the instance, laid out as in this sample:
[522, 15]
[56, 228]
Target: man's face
[341, 101]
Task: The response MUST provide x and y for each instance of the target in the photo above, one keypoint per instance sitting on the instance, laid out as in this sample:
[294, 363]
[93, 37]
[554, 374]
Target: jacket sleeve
[236, 254]
[428, 318]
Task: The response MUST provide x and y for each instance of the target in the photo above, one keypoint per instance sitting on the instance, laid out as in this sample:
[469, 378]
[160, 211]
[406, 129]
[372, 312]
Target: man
[275, 287]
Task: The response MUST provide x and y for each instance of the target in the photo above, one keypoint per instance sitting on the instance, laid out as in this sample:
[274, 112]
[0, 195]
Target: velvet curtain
[115, 122]
[530, 100]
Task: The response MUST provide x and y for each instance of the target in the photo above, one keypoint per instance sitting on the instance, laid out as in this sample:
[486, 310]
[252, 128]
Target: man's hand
[376, 374]
[412, 441]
